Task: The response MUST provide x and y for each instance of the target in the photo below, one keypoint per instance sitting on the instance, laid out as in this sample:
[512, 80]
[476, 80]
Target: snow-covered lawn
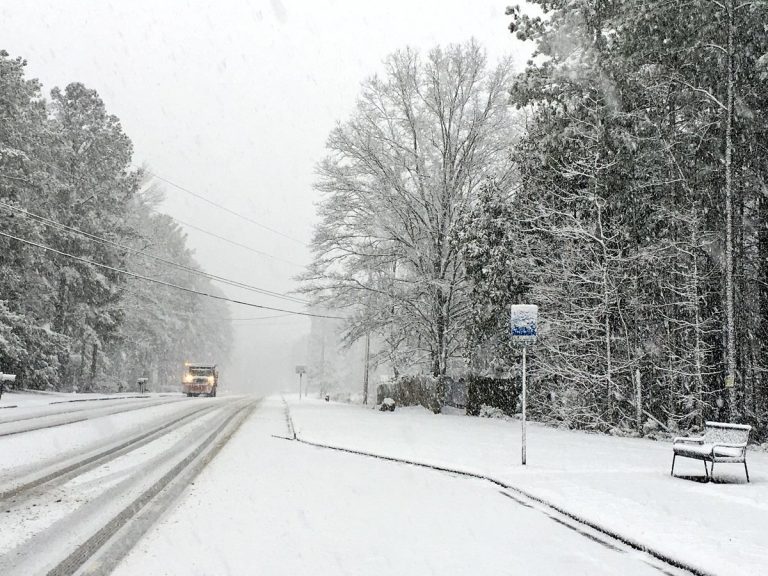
[273, 507]
[622, 484]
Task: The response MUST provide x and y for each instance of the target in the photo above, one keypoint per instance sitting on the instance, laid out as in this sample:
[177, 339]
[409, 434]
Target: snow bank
[622, 484]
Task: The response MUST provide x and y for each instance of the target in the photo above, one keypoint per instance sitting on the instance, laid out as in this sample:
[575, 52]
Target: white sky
[234, 99]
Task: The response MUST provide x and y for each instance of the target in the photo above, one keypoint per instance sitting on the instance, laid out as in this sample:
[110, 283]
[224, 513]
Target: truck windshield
[201, 371]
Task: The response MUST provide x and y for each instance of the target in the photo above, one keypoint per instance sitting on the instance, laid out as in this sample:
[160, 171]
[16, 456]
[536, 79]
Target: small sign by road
[523, 321]
[300, 370]
[523, 325]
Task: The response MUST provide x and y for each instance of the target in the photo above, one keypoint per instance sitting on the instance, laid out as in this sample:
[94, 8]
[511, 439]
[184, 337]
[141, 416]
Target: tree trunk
[438, 368]
[61, 305]
[367, 366]
[730, 381]
[607, 318]
[762, 340]
[638, 402]
[697, 351]
[94, 357]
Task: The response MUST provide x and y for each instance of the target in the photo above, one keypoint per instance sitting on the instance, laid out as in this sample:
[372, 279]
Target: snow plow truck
[200, 379]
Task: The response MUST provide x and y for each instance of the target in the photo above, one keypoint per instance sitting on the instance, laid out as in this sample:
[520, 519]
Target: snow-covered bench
[725, 443]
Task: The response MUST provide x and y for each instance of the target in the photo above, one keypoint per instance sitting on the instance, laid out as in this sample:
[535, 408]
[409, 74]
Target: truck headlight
[210, 379]
[187, 378]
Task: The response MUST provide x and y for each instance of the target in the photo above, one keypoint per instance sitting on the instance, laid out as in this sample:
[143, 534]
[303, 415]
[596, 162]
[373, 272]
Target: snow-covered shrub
[492, 412]
[412, 390]
[455, 392]
[387, 405]
[650, 426]
[341, 396]
[383, 391]
[500, 393]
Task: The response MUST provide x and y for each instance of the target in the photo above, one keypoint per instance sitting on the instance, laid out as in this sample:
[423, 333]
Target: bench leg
[672, 473]
[712, 471]
[746, 471]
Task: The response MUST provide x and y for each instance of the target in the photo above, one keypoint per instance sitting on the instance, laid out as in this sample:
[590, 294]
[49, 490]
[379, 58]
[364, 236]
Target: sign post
[523, 320]
[300, 370]
[522, 435]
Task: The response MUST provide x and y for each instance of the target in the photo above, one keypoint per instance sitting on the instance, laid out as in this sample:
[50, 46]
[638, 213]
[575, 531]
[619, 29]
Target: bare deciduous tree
[398, 178]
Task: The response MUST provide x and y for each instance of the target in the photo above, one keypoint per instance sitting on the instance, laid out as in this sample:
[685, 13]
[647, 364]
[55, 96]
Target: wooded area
[619, 182]
[69, 197]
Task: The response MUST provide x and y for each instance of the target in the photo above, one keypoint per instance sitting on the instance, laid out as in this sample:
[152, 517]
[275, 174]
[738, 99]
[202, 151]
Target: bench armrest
[691, 439]
[727, 445]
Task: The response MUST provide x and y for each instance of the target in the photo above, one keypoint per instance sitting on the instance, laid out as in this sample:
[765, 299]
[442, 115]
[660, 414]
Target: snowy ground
[42, 524]
[620, 483]
[20, 453]
[19, 402]
[269, 506]
[101, 421]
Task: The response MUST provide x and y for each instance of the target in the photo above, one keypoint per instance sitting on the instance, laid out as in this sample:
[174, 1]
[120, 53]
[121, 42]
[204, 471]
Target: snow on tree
[400, 175]
[637, 118]
[64, 172]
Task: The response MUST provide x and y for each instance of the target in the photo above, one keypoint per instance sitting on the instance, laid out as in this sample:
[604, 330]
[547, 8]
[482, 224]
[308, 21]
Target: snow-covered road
[214, 487]
[270, 506]
[79, 506]
[61, 412]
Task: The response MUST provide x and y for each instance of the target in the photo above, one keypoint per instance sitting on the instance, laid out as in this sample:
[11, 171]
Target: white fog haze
[383, 288]
[234, 101]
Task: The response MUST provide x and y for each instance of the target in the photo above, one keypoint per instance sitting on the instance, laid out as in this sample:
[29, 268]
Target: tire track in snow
[73, 416]
[73, 406]
[63, 473]
[133, 520]
[519, 493]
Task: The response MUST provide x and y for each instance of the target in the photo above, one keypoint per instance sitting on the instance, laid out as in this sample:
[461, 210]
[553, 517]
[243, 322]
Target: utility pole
[323, 386]
[367, 365]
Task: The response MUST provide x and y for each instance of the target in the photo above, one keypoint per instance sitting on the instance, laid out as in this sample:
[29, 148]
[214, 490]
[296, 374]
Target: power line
[230, 241]
[191, 316]
[49, 222]
[190, 269]
[259, 318]
[222, 207]
[168, 284]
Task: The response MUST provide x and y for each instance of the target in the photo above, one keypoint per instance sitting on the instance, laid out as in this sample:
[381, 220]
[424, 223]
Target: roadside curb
[288, 420]
[100, 398]
[632, 543]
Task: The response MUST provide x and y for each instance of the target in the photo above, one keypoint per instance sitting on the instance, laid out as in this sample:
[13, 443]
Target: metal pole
[300, 375]
[523, 430]
[367, 366]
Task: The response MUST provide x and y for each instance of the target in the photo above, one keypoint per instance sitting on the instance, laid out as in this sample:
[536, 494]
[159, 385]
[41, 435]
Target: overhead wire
[230, 241]
[192, 316]
[164, 283]
[248, 319]
[222, 207]
[53, 223]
